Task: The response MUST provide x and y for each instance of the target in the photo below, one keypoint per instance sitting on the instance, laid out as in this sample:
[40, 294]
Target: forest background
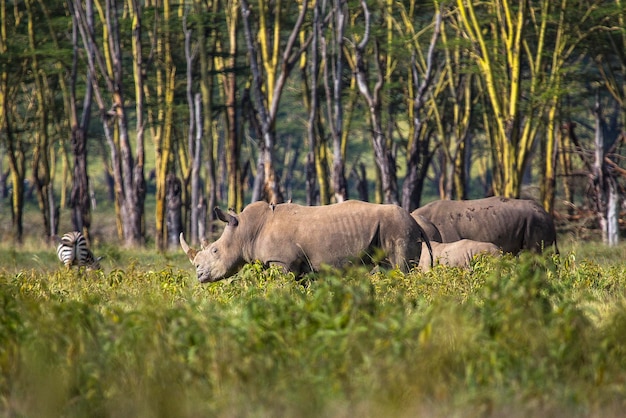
[173, 108]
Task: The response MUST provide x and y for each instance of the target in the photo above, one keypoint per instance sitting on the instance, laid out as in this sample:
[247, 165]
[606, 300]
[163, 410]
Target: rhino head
[223, 257]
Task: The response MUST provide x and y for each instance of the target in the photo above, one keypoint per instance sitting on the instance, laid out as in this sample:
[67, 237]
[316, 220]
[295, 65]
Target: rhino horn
[191, 253]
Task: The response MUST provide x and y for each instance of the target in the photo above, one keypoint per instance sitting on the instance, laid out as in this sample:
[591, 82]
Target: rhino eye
[214, 250]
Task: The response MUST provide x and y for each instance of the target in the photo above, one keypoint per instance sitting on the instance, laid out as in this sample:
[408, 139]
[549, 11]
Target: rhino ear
[226, 217]
[191, 253]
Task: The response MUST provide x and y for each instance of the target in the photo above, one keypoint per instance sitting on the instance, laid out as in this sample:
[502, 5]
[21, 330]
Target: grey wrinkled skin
[511, 224]
[302, 239]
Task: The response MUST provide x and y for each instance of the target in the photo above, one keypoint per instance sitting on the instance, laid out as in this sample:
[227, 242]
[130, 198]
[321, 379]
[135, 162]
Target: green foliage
[526, 336]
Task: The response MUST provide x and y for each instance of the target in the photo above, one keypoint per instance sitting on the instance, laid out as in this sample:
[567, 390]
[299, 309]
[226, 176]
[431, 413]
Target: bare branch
[421, 93]
[254, 67]
[366, 35]
[287, 64]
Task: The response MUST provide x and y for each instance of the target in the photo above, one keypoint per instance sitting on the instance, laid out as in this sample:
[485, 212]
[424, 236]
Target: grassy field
[516, 337]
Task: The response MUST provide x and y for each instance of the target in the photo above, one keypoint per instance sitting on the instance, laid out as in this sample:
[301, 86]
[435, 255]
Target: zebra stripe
[73, 251]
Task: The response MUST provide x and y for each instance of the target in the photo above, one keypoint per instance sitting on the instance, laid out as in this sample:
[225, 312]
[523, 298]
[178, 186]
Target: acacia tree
[561, 50]
[270, 69]
[225, 65]
[199, 41]
[79, 197]
[607, 49]
[421, 105]
[311, 101]
[138, 185]
[366, 61]
[605, 194]
[314, 77]
[500, 54]
[206, 47]
[160, 97]
[41, 166]
[194, 143]
[564, 27]
[106, 63]
[456, 119]
[523, 61]
[54, 63]
[12, 74]
[333, 64]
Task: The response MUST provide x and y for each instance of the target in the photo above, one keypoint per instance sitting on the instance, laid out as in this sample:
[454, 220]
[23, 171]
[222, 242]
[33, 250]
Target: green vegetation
[527, 336]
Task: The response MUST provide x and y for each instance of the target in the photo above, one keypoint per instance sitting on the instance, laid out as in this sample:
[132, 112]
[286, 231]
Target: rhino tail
[191, 253]
[430, 249]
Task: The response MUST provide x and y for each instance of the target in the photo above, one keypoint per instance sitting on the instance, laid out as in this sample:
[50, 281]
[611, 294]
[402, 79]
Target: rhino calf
[458, 253]
[302, 239]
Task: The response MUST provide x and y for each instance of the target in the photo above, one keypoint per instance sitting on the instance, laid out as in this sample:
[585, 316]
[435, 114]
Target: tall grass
[527, 336]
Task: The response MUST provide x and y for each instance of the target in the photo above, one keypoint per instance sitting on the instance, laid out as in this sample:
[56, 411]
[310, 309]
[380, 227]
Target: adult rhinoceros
[511, 224]
[457, 253]
[302, 239]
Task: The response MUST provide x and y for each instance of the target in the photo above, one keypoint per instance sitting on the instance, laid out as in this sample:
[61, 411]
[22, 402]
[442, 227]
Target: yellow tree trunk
[41, 162]
[163, 139]
[206, 89]
[269, 42]
[64, 124]
[500, 59]
[565, 43]
[550, 158]
[138, 76]
[127, 174]
[225, 67]
[317, 152]
[459, 87]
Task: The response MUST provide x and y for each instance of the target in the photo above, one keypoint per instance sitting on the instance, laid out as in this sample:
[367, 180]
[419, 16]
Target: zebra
[73, 251]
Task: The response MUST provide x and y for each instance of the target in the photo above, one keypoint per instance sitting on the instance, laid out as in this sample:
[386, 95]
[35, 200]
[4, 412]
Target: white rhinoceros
[302, 239]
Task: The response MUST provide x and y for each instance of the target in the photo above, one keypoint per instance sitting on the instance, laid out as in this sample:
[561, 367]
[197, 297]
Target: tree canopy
[313, 100]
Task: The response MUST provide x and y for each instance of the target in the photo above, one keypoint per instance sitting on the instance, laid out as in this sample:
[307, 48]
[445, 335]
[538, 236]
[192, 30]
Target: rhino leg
[282, 266]
[405, 255]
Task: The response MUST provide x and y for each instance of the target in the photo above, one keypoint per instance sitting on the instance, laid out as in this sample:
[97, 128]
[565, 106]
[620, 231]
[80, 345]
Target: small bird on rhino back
[74, 251]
